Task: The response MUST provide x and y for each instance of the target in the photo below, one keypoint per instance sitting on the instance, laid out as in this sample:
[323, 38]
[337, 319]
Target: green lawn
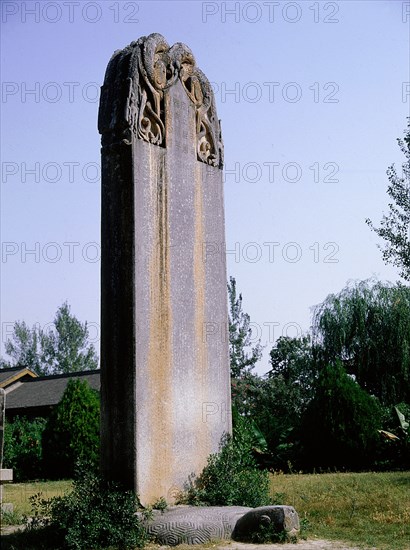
[19, 493]
[368, 509]
[371, 510]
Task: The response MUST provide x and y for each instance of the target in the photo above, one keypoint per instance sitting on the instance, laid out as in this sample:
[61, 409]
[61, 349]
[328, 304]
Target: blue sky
[312, 96]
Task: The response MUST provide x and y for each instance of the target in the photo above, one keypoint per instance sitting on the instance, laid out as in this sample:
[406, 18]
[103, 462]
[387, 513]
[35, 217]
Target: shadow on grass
[45, 538]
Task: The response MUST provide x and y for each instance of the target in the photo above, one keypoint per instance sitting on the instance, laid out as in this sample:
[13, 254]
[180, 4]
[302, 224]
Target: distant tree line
[332, 398]
[335, 398]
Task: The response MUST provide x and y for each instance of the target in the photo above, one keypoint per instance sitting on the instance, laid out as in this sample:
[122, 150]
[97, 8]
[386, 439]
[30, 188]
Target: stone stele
[165, 385]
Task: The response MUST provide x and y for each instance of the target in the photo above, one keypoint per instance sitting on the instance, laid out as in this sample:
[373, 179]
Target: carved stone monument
[199, 525]
[165, 384]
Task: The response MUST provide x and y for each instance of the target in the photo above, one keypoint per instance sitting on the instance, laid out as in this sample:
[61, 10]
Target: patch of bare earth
[300, 545]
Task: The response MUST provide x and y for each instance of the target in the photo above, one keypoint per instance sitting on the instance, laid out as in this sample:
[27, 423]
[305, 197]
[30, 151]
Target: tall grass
[368, 509]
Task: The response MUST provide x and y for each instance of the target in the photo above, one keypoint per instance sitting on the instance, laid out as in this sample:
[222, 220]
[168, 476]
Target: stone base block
[278, 519]
[198, 525]
[6, 475]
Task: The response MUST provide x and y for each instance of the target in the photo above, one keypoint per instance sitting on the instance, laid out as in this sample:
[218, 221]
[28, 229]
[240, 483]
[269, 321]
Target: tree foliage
[64, 348]
[24, 347]
[367, 327]
[73, 430]
[243, 354]
[339, 427]
[23, 449]
[285, 392]
[395, 226]
[291, 360]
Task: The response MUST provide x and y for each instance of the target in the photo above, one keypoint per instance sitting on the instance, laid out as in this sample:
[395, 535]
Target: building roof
[12, 374]
[47, 390]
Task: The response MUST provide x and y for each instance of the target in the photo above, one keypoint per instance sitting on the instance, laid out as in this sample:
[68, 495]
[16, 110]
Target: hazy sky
[312, 96]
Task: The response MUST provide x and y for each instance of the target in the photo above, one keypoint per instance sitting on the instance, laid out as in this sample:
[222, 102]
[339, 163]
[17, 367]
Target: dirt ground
[300, 545]
[231, 545]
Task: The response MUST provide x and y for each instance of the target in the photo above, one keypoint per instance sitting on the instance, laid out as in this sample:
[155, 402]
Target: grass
[368, 510]
[19, 493]
[371, 510]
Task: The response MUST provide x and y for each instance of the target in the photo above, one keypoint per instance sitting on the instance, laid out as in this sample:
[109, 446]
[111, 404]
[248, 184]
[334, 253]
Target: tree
[395, 225]
[4, 364]
[367, 327]
[339, 427]
[63, 349]
[243, 356]
[72, 432]
[285, 393]
[67, 348]
[292, 360]
[22, 447]
[24, 347]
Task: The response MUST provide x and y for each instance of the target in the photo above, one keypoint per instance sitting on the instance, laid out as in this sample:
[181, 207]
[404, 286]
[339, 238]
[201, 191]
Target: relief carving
[144, 71]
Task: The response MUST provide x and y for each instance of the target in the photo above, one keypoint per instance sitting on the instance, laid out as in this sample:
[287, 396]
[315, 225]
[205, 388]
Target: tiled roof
[47, 390]
[12, 374]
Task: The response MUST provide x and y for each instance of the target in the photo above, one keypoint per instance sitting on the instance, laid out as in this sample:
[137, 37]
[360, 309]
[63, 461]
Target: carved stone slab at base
[193, 524]
[198, 525]
[165, 386]
[278, 518]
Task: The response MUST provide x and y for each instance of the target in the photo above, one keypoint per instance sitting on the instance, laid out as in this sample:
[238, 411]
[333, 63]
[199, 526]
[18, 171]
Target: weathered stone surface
[197, 525]
[193, 524]
[279, 518]
[165, 385]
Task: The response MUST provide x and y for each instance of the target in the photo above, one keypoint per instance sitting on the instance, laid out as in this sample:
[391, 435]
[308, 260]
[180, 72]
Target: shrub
[394, 446]
[73, 431]
[95, 515]
[23, 449]
[339, 428]
[231, 477]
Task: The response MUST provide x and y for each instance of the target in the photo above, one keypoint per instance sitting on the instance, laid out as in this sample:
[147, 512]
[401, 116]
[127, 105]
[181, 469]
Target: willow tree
[367, 327]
